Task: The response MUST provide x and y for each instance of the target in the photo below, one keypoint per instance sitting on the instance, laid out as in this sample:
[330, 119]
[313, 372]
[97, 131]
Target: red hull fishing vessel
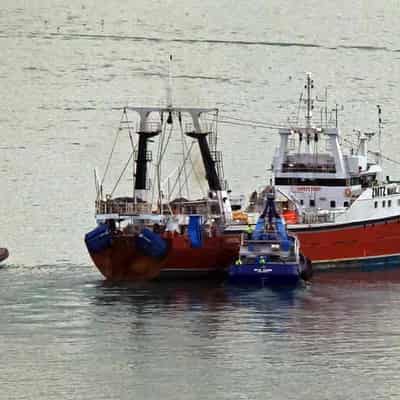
[341, 207]
[151, 234]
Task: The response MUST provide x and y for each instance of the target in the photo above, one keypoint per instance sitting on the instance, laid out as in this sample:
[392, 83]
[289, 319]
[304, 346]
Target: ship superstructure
[310, 165]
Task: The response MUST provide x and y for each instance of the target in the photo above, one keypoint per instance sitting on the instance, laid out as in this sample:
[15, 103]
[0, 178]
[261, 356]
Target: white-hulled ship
[341, 207]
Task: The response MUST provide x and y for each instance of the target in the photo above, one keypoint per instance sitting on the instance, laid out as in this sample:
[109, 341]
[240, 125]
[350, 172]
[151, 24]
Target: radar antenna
[309, 102]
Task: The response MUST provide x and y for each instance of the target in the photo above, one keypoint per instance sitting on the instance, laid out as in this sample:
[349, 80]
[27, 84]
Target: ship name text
[382, 191]
[305, 189]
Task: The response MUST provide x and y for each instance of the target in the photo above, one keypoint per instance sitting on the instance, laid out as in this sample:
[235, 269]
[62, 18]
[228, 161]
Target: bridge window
[333, 203]
[346, 204]
[384, 203]
[312, 203]
[376, 204]
[389, 203]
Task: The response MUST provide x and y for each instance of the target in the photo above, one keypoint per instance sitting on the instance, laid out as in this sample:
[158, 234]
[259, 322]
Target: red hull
[350, 242]
[123, 262]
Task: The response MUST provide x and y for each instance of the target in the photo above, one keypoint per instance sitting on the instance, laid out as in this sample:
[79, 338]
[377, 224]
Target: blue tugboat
[270, 256]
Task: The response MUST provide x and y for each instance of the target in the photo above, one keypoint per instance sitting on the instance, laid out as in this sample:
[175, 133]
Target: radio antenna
[379, 131]
[169, 83]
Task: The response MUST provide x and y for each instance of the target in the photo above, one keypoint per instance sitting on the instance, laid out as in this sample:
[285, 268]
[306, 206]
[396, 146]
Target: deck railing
[122, 207]
[315, 218]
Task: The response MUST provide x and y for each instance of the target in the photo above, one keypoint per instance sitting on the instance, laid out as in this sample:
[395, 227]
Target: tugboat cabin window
[384, 203]
[346, 204]
[333, 203]
[302, 202]
[389, 203]
[376, 204]
[312, 203]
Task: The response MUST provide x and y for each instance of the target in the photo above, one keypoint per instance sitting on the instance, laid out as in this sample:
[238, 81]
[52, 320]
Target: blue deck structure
[270, 256]
[276, 274]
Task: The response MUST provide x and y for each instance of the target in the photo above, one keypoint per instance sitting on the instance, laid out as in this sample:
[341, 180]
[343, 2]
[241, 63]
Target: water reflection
[332, 304]
[205, 307]
[385, 276]
[186, 296]
[171, 334]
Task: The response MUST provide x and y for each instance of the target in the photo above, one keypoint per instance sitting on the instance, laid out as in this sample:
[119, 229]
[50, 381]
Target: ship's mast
[146, 131]
[380, 133]
[213, 180]
[309, 103]
[169, 83]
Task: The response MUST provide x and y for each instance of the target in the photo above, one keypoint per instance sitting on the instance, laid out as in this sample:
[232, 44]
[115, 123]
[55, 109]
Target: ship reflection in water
[201, 340]
[340, 328]
[210, 307]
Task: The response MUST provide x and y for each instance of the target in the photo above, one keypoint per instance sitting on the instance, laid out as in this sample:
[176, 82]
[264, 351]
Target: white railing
[122, 207]
[317, 218]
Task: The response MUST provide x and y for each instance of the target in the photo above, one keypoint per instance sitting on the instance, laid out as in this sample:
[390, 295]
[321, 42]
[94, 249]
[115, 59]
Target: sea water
[66, 69]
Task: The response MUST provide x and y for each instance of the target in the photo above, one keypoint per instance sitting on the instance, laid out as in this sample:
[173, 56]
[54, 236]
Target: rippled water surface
[67, 334]
[65, 69]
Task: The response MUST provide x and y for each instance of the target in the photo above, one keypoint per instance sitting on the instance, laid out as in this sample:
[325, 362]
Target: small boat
[3, 253]
[270, 256]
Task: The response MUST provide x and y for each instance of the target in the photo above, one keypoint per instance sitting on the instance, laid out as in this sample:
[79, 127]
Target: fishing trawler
[270, 256]
[158, 232]
[340, 206]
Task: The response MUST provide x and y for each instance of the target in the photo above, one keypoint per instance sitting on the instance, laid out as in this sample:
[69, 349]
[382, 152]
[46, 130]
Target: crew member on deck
[249, 231]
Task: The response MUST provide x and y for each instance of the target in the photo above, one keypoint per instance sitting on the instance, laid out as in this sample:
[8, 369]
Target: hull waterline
[269, 275]
[354, 245]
